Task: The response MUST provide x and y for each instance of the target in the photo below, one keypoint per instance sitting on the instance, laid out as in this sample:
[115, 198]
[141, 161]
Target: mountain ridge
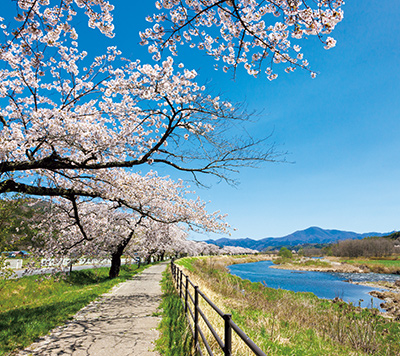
[311, 235]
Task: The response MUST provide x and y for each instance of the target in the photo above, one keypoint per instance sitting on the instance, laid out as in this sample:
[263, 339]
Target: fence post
[196, 316]
[186, 294]
[228, 335]
[180, 284]
[176, 276]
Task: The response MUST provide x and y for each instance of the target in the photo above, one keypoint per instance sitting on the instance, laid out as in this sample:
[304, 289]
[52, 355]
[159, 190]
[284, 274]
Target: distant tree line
[369, 247]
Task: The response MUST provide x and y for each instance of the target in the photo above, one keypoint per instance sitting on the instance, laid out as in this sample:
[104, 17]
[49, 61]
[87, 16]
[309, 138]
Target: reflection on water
[323, 284]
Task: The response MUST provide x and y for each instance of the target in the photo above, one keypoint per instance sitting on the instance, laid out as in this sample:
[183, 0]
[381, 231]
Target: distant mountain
[312, 235]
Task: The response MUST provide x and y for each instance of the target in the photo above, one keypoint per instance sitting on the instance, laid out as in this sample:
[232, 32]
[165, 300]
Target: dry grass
[283, 322]
[212, 316]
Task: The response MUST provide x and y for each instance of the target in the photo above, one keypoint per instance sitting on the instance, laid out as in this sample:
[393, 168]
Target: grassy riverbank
[287, 323]
[337, 264]
[31, 306]
[377, 265]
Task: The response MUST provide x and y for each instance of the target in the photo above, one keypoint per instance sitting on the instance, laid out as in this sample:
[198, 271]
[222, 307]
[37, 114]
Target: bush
[285, 253]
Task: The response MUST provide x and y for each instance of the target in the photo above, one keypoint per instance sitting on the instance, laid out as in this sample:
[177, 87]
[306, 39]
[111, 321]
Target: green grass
[386, 263]
[175, 335]
[31, 306]
[187, 262]
[389, 265]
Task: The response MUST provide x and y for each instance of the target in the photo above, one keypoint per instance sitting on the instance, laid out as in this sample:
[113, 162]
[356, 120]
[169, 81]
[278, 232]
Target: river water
[326, 285]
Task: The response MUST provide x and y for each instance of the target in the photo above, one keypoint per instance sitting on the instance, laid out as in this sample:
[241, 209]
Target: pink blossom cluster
[107, 225]
[40, 19]
[129, 113]
[104, 112]
[247, 32]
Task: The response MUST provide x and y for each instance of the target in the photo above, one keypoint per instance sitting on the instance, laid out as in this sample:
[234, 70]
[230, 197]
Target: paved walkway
[120, 323]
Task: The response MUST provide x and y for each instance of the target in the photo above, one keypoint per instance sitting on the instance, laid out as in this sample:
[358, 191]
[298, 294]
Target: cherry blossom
[248, 32]
[70, 120]
[140, 214]
[237, 250]
[157, 240]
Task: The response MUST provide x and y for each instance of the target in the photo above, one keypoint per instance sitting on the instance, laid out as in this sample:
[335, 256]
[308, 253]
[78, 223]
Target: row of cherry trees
[76, 128]
[115, 232]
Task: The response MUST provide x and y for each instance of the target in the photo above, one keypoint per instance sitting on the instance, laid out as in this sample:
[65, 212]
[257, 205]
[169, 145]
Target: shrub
[285, 253]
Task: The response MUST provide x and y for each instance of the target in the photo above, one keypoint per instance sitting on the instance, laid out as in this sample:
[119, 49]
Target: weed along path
[122, 322]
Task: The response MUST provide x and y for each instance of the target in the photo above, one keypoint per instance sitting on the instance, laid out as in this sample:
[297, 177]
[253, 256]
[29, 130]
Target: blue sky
[341, 129]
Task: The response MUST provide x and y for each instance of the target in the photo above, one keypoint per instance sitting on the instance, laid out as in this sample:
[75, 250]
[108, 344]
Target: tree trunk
[116, 263]
[116, 258]
[148, 259]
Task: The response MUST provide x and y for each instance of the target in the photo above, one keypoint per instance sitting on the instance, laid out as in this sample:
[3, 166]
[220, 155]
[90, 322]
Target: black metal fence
[193, 314]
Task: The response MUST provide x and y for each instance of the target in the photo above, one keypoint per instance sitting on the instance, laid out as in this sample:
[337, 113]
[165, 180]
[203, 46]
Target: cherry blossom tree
[255, 33]
[182, 247]
[157, 240]
[63, 117]
[237, 250]
[205, 249]
[139, 216]
[80, 129]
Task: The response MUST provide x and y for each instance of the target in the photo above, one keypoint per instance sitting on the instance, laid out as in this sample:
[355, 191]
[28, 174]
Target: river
[326, 285]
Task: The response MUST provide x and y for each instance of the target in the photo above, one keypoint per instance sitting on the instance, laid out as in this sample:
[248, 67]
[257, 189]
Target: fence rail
[193, 314]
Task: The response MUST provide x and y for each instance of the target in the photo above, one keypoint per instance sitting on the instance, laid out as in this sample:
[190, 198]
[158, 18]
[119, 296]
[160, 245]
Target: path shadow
[109, 323]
